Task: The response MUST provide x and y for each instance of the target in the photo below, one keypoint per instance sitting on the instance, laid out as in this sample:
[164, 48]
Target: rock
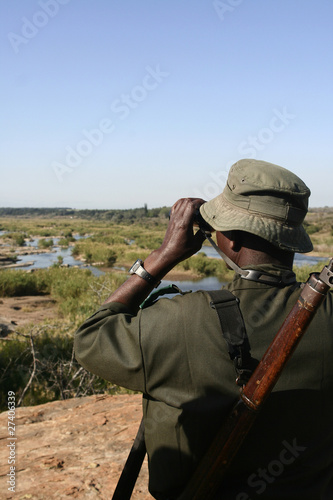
[5, 328]
[72, 449]
[17, 265]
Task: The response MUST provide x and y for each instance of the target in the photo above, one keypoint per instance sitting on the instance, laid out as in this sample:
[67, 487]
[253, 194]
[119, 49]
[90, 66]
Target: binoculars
[200, 222]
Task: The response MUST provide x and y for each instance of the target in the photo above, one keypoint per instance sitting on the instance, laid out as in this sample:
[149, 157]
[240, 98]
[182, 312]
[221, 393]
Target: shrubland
[37, 360]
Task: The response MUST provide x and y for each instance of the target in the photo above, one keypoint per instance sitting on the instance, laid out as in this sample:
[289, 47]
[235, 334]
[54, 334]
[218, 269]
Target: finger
[197, 201]
[183, 209]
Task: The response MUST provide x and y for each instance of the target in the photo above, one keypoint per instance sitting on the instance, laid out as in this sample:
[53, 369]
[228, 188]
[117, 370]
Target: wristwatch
[138, 269]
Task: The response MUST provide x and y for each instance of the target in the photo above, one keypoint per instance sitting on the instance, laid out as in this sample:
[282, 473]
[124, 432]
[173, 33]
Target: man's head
[264, 200]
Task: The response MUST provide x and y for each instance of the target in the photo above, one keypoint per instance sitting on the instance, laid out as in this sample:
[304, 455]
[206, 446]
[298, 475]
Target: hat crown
[263, 199]
[254, 177]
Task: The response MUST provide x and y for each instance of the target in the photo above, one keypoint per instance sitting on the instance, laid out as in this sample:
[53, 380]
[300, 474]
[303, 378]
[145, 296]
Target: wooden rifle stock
[209, 475]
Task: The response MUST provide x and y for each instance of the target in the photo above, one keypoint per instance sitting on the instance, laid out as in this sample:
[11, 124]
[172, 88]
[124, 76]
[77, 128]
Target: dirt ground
[71, 449]
[20, 311]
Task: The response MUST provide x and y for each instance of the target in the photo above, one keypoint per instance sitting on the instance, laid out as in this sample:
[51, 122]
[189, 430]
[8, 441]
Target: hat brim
[223, 216]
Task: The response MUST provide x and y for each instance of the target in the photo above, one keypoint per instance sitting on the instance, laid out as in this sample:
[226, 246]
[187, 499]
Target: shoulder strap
[234, 333]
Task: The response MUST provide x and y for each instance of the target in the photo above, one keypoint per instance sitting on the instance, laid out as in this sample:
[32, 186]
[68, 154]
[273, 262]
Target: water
[300, 259]
[213, 283]
[210, 283]
[308, 260]
[45, 260]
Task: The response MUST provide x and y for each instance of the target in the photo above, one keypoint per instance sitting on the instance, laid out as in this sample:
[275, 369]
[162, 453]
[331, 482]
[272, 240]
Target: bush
[15, 283]
[149, 241]
[43, 243]
[39, 366]
[68, 233]
[303, 273]
[201, 265]
[111, 258]
[45, 232]
[312, 228]
[95, 252]
[19, 240]
[63, 242]
[17, 237]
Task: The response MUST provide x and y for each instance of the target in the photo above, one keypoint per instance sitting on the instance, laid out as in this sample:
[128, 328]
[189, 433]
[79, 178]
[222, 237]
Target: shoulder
[180, 313]
[196, 302]
[179, 298]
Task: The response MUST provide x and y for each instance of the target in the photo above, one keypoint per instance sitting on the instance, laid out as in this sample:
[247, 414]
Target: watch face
[136, 266]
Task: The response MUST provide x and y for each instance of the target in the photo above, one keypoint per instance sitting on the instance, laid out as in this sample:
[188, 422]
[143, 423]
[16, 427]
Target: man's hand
[179, 243]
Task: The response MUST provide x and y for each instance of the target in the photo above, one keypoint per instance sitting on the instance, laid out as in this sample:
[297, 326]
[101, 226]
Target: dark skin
[180, 242]
[245, 249]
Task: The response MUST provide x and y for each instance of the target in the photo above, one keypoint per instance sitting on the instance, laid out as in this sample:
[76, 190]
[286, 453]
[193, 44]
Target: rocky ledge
[71, 449]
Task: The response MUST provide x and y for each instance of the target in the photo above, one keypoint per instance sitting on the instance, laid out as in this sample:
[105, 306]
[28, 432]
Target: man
[174, 353]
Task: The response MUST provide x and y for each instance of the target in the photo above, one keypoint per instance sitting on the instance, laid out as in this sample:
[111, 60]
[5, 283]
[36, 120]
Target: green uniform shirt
[174, 353]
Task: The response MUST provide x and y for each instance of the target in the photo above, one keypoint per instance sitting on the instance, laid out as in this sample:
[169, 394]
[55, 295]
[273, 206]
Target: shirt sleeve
[108, 345]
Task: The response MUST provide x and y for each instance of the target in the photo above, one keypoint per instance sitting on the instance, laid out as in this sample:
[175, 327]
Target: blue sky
[118, 103]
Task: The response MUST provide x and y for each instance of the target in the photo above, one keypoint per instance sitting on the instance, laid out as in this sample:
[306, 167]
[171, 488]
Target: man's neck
[247, 257]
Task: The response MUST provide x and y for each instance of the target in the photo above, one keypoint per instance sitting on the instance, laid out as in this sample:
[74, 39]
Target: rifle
[131, 470]
[209, 475]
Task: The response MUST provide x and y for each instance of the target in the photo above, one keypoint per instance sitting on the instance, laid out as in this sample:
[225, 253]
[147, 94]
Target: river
[47, 259]
[44, 260]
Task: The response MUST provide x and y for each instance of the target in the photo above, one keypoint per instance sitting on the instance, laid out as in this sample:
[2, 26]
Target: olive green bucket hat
[263, 199]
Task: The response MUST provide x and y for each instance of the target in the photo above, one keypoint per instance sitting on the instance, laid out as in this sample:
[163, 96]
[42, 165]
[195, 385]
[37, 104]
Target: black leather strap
[234, 333]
